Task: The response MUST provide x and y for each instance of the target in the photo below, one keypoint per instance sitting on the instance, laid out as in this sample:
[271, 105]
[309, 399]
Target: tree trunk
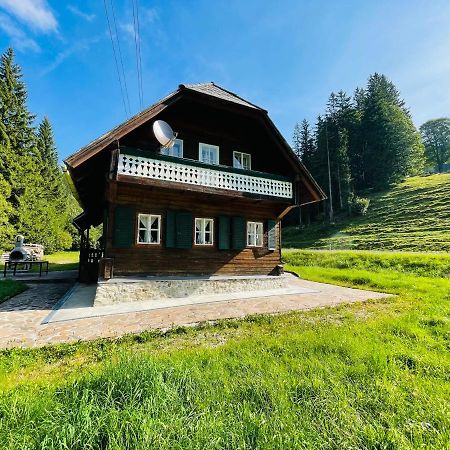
[341, 204]
[329, 177]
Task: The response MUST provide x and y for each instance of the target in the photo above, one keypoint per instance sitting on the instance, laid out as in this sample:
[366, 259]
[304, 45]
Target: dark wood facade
[159, 260]
[104, 188]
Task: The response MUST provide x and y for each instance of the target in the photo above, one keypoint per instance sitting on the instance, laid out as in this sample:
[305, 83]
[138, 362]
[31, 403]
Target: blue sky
[286, 56]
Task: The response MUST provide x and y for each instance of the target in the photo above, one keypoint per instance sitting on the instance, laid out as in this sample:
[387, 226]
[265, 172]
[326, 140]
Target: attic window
[242, 160]
[176, 150]
[208, 153]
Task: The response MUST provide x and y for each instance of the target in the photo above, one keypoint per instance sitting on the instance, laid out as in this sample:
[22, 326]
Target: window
[242, 160]
[176, 150]
[204, 231]
[149, 229]
[254, 234]
[208, 153]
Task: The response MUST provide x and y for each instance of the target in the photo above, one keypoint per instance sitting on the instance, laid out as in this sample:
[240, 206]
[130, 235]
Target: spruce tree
[33, 200]
[306, 144]
[392, 147]
[17, 139]
[296, 141]
[48, 158]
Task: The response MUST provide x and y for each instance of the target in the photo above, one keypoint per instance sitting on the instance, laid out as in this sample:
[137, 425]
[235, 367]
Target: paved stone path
[21, 316]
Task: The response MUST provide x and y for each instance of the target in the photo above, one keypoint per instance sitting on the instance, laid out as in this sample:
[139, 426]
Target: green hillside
[413, 216]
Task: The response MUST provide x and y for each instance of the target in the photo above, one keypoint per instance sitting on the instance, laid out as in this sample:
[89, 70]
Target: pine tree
[17, 139]
[296, 141]
[33, 199]
[392, 148]
[48, 158]
[306, 144]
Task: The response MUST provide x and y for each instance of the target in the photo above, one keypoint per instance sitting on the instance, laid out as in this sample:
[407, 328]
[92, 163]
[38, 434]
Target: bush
[358, 205]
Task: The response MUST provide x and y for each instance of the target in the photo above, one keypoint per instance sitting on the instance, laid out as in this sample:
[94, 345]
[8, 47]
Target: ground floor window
[204, 231]
[149, 229]
[254, 234]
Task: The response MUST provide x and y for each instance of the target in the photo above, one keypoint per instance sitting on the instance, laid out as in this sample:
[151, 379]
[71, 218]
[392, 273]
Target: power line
[120, 55]
[115, 59]
[140, 59]
[138, 50]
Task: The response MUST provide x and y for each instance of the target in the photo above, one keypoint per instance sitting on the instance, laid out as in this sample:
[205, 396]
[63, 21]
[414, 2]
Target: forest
[34, 199]
[366, 143]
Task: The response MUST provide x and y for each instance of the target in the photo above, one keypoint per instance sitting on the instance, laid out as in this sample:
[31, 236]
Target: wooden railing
[197, 173]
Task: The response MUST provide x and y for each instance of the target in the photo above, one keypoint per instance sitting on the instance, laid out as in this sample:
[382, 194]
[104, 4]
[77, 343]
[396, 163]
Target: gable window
[149, 229]
[204, 231]
[208, 153]
[175, 150]
[242, 160]
[255, 234]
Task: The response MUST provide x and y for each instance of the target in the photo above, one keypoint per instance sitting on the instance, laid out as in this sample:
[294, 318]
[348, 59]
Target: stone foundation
[124, 290]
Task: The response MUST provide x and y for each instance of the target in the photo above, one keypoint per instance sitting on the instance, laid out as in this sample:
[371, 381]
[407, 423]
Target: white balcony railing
[190, 173]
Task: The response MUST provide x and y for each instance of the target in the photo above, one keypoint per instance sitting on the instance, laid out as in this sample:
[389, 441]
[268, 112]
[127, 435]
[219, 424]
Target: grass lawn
[9, 288]
[59, 261]
[374, 375]
[63, 260]
[413, 216]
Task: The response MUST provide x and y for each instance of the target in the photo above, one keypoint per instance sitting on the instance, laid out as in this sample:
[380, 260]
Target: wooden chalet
[211, 204]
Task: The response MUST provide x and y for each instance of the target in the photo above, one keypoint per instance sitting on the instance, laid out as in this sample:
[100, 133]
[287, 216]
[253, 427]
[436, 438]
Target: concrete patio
[53, 313]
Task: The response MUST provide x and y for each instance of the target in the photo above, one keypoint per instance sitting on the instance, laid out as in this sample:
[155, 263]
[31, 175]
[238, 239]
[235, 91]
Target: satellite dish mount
[164, 133]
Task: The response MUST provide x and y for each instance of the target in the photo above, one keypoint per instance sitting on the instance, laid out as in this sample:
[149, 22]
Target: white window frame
[211, 147]
[241, 155]
[203, 221]
[149, 219]
[252, 236]
[168, 151]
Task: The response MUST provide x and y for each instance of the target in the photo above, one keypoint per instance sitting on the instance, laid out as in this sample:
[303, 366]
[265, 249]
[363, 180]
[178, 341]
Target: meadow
[373, 375]
[412, 216]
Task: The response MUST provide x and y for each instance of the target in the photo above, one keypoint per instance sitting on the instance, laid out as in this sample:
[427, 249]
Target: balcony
[186, 171]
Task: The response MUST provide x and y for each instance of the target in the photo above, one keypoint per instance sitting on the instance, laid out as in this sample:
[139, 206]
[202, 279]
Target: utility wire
[138, 51]
[120, 55]
[115, 59]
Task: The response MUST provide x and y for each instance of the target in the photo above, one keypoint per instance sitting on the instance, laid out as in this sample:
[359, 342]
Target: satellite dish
[164, 133]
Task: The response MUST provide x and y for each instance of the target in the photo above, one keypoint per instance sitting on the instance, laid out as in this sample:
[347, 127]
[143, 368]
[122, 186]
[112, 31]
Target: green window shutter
[184, 230]
[123, 227]
[224, 233]
[272, 234]
[238, 233]
[169, 232]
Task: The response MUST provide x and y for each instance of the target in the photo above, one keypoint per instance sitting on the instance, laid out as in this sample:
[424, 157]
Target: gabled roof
[205, 89]
[210, 89]
[219, 92]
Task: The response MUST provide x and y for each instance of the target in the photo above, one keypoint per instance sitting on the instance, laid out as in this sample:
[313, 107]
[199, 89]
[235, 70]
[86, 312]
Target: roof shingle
[219, 92]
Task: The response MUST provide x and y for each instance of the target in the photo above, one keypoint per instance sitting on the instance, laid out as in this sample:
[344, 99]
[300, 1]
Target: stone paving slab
[21, 317]
[80, 303]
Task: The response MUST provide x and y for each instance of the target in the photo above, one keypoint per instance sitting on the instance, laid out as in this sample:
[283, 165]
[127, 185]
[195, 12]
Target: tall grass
[365, 376]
